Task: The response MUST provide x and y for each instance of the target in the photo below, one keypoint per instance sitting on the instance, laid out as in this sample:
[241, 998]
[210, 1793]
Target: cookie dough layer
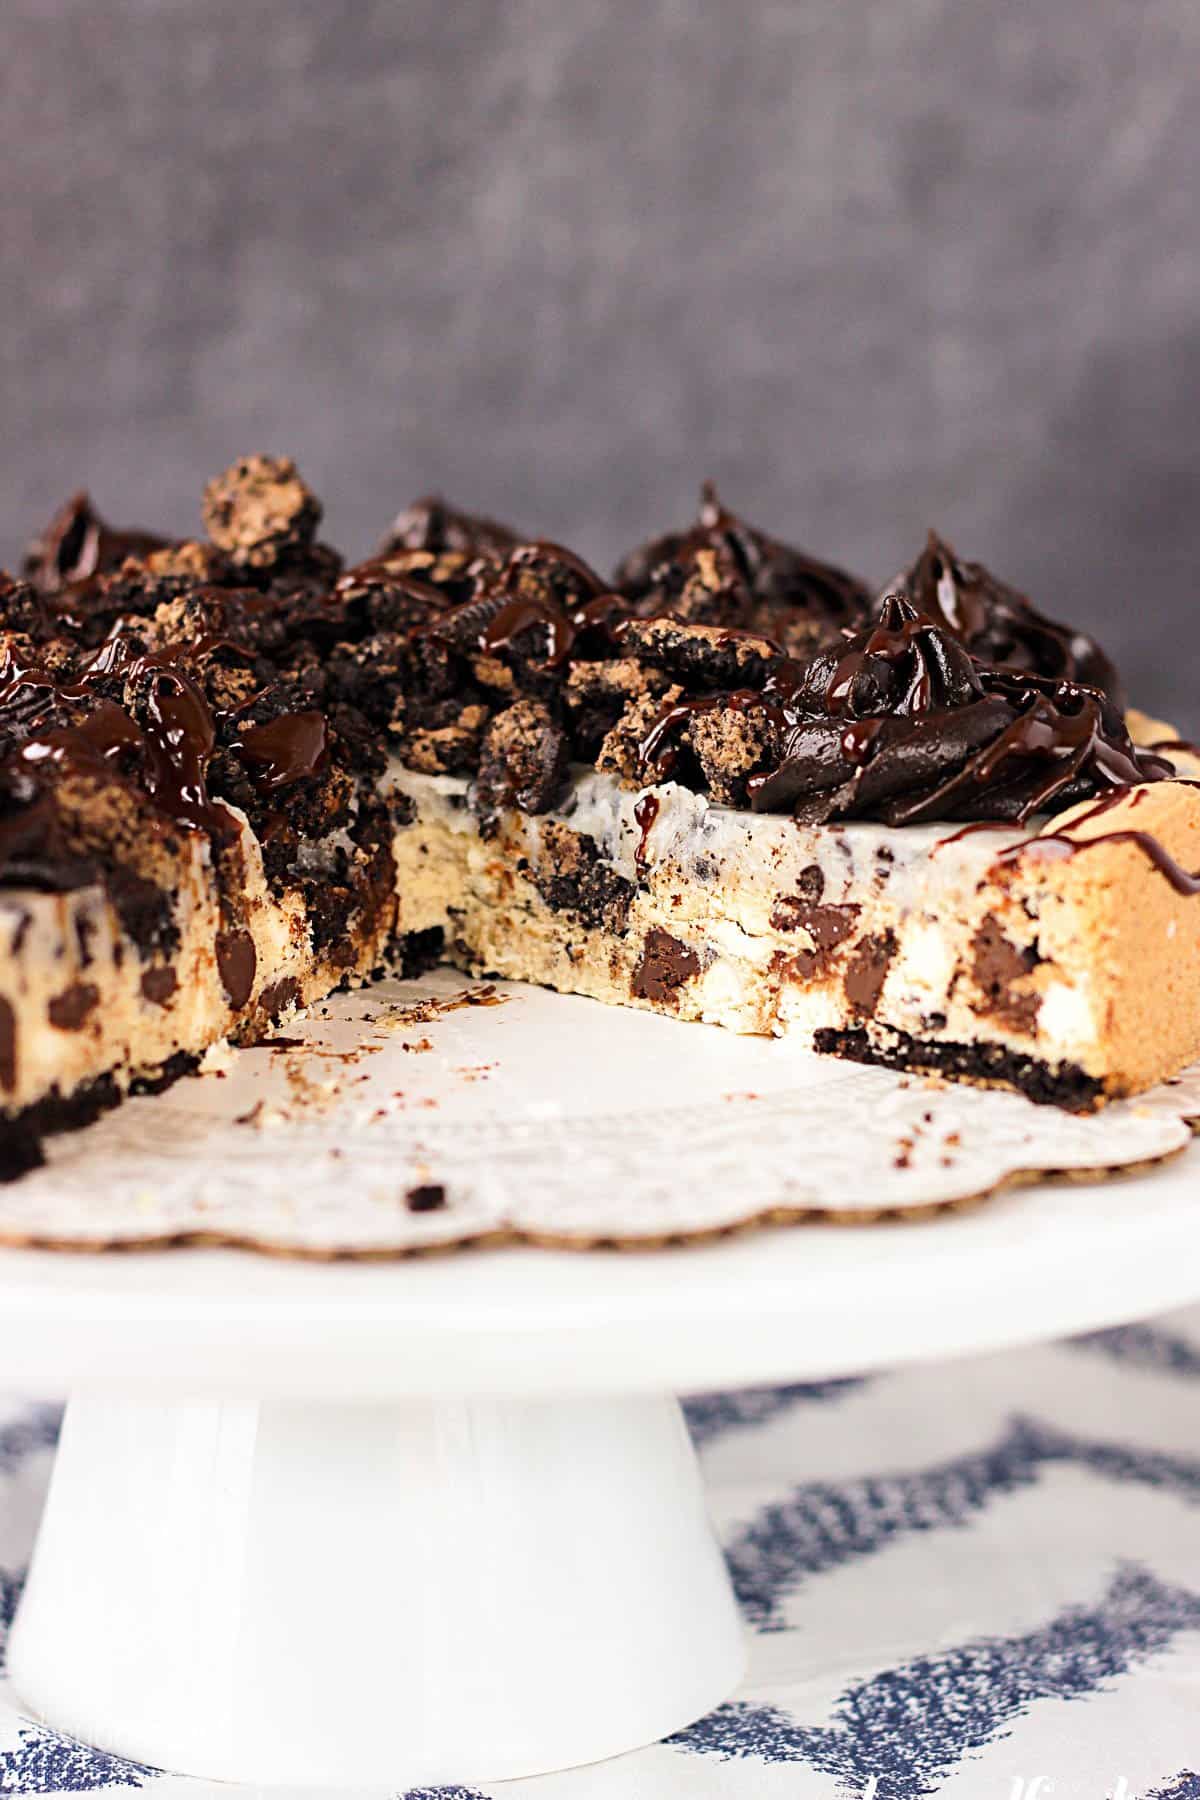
[1069, 974]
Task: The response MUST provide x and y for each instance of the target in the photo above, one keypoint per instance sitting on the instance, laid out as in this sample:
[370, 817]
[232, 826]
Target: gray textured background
[871, 266]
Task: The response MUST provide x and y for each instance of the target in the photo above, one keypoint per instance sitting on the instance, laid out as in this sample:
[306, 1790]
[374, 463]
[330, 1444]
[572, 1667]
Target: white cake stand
[439, 1520]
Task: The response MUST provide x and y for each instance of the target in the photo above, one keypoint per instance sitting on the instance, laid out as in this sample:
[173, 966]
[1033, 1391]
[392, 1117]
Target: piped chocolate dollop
[899, 722]
[432, 525]
[999, 625]
[78, 544]
[722, 571]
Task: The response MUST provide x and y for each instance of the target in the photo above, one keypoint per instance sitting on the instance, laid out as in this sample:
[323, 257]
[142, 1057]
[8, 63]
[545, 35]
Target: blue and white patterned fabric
[978, 1580]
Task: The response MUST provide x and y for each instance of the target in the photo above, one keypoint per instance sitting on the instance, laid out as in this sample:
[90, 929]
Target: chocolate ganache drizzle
[145, 714]
[999, 625]
[541, 588]
[898, 722]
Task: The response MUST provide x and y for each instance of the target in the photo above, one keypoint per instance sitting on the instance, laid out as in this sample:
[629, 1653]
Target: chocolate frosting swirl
[998, 624]
[722, 571]
[430, 524]
[77, 544]
[899, 722]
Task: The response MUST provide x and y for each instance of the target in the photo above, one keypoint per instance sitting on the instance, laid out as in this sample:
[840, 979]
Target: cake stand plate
[395, 1524]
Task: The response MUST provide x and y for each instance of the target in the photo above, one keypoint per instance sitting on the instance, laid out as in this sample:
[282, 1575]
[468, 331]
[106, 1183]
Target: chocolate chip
[8, 1046]
[281, 994]
[996, 964]
[665, 965]
[237, 961]
[69, 1010]
[429, 1196]
[828, 926]
[158, 985]
[867, 970]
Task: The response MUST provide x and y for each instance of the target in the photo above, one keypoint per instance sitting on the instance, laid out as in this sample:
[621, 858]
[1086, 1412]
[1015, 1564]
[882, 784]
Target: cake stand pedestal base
[397, 1594]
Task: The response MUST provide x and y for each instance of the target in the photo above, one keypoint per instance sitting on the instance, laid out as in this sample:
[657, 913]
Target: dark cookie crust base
[21, 1136]
[1049, 1084]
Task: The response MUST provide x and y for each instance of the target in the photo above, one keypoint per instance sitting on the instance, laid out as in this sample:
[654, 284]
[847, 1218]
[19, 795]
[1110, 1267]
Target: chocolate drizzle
[644, 814]
[543, 591]
[171, 740]
[8, 1046]
[180, 737]
[291, 748]
[1058, 844]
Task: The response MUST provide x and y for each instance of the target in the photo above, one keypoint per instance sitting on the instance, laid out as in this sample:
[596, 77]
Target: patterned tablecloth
[979, 1579]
